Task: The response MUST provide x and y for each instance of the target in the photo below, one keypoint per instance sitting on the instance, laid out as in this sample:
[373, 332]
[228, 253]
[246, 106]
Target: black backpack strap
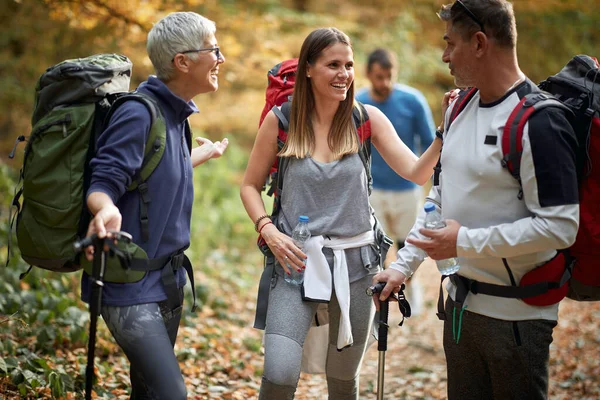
[169, 265]
[283, 120]
[465, 285]
[141, 97]
[464, 97]
[383, 241]
[264, 287]
[512, 135]
[360, 116]
[169, 279]
[512, 292]
[276, 185]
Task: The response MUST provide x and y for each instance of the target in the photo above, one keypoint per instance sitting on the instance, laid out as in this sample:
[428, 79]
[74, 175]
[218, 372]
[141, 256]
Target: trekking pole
[382, 335]
[97, 282]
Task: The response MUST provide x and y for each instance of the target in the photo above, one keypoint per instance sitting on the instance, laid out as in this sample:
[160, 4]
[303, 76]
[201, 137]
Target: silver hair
[177, 32]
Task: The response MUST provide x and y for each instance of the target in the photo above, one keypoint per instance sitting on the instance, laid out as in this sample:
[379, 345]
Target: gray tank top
[335, 197]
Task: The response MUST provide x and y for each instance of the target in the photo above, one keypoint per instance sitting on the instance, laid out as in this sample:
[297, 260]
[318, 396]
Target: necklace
[519, 80]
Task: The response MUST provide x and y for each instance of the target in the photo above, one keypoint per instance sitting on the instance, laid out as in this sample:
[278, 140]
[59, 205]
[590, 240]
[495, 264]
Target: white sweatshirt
[481, 195]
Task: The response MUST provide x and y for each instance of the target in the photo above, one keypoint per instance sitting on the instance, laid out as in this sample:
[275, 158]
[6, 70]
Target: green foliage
[218, 212]
[28, 372]
[253, 344]
[221, 231]
[37, 316]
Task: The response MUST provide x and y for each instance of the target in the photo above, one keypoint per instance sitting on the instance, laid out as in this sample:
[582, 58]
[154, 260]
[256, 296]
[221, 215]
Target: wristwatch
[439, 133]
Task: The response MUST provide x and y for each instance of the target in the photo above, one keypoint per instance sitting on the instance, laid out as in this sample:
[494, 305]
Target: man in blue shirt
[395, 200]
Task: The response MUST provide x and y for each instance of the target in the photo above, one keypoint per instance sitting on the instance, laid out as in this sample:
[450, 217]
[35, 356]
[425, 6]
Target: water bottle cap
[303, 218]
[429, 207]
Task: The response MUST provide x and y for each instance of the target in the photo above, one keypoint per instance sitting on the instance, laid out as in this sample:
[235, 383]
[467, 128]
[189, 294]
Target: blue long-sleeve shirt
[119, 155]
[411, 117]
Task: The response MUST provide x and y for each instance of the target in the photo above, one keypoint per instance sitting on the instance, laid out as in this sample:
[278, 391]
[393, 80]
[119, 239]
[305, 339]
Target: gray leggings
[288, 321]
[147, 333]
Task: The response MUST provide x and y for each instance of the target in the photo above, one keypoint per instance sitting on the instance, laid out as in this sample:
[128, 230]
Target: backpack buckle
[589, 112]
[534, 98]
[143, 188]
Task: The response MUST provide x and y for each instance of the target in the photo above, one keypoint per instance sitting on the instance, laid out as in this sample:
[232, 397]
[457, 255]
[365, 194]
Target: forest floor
[221, 355]
[415, 363]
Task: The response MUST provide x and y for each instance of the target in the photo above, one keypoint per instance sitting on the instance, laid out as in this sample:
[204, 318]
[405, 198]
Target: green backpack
[74, 100]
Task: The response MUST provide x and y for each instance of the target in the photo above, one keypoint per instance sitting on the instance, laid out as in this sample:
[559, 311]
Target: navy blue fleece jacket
[119, 155]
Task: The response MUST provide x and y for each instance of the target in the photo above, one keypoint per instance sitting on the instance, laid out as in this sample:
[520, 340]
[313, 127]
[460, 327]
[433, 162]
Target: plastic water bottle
[300, 235]
[433, 220]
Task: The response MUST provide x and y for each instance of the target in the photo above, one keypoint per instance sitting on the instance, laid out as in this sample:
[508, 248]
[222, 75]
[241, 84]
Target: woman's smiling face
[332, 74]
[205, 69]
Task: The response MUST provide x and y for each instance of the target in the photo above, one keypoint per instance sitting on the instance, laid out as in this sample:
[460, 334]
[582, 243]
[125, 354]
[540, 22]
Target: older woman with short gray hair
[144, 316]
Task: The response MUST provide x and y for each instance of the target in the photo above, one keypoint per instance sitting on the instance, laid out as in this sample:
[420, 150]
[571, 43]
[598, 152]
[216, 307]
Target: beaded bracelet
[262, 227]
[260, 219]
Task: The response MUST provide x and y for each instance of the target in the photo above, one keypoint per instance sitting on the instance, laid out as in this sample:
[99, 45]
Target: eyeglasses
[469, 13]
[216, 49]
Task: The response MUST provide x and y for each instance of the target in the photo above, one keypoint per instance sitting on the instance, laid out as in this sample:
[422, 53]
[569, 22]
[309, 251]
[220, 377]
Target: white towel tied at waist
[317, 276]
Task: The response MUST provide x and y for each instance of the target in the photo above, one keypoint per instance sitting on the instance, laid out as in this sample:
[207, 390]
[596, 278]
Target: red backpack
[280, 86]
[574, 272]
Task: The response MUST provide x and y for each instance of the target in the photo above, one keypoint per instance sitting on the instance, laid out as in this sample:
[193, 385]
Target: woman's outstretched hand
[208, 149]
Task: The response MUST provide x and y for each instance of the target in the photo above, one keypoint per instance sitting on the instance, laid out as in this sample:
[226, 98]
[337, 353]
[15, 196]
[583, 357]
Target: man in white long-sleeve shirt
[496, 347]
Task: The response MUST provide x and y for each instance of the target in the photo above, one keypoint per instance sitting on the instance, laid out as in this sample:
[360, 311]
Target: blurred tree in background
[256, 34]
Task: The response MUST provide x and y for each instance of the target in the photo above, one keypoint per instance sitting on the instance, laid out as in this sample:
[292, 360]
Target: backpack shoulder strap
[512, 135]
[155, 145]
[153, 152]
[140, 97]
[363, 128]
[464, 97]
[283, 115]
[283, 118]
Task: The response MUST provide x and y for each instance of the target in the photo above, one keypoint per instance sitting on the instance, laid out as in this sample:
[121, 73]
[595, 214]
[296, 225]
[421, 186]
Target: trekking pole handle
[119, 236]
[384, 312]
[377, 288]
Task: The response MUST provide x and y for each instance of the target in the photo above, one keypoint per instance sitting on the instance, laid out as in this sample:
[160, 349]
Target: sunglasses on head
[469, 13]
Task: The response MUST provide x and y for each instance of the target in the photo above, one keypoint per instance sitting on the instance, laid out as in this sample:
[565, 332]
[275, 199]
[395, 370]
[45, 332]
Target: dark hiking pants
[147, 333]
[497, 359]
